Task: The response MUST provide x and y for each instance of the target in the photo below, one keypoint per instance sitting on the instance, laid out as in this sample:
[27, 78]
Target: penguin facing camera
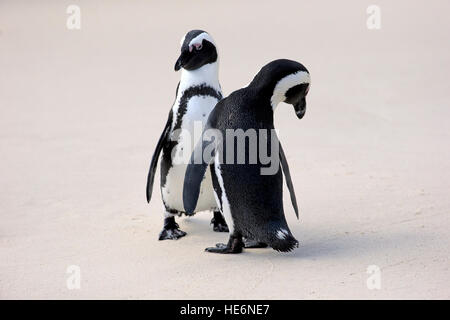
[196, 95]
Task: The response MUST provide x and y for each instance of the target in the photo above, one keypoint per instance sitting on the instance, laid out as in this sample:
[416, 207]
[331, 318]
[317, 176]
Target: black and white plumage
[197, 93]
[252, 203]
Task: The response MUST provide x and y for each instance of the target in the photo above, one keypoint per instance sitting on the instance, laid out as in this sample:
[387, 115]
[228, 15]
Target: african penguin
[197, 93]
[251, 202]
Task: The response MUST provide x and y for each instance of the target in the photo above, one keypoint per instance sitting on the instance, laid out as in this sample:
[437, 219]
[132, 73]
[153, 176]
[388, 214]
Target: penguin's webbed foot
[254, 244]
[171, 234]
[218, 222]
[171, 230]
[219, 248]
[234, 245]
[223, 248]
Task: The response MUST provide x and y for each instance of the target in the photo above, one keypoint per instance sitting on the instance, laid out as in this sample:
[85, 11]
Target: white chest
[187, 136]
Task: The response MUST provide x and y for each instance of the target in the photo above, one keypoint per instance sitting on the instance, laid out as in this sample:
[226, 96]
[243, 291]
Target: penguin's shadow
[316, 244]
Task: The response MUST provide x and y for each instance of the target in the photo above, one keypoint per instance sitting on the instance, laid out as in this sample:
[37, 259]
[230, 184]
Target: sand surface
[81, 112]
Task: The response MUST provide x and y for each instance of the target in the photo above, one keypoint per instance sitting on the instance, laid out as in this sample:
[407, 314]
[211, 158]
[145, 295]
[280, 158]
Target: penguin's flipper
[151, 172]
[193, 178]
[287, 174]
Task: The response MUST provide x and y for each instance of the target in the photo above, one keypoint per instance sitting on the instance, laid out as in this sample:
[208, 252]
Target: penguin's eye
[197, 46]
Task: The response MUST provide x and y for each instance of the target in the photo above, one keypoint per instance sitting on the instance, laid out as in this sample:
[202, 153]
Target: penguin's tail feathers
[283, 240]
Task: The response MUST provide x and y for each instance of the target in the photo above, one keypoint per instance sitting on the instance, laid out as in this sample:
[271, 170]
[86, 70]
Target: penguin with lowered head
[251, 202]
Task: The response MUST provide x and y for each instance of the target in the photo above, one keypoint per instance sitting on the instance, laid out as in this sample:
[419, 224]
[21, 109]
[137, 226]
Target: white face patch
[199, 39]
[292, 80]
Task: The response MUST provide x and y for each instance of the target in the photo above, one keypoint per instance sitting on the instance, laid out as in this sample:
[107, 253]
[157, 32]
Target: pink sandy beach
[81, 112]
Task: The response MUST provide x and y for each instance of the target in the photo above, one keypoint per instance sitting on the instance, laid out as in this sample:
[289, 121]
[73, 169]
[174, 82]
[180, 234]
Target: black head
[197, 49]
[284, 81]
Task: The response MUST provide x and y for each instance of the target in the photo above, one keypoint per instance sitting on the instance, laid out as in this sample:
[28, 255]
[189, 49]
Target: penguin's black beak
[180, 62]
[300, 108]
